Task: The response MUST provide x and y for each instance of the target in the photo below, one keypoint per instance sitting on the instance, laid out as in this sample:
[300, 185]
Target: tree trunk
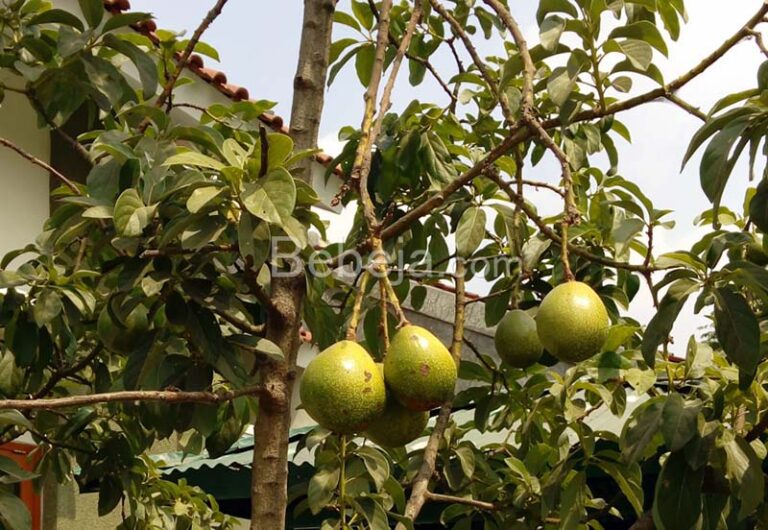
[310, 78]
[269, 483]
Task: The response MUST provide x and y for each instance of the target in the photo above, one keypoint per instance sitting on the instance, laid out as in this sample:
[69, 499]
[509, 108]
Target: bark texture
[309, 81]
[269, 483]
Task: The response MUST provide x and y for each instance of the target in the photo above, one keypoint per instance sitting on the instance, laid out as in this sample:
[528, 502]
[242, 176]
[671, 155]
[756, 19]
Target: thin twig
[419, 488]
[759, 41]
[21, 152]
[570, 211]
[421, 60]
[63, 374]
[555, 238]
[546, 185]
[185, 55]
[179, 251]
[167, 396]
[493, 86]
[481, 505]
[74, 144]
[687, 107]
[242, 325]
[357, 306]
[519, 135]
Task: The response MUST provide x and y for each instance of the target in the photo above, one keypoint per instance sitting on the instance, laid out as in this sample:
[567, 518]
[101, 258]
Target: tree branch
[518, 135]
[457, 30]
[422, 61]
[570, 211]
[419, 489]
[481, 505]
[555, 238]
[167, 396]
[50, 169]
[184, 57]
[74, 144]
[687, 107]
[63, 374]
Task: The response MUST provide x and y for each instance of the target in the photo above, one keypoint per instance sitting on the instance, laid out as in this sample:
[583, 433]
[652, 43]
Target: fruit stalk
[357, 307]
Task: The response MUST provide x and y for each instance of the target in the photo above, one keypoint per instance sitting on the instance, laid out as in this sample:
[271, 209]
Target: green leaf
[376, 464]
[560, 85]
[57, 16]
[271, 198]
[110, 493]
[374, 513]
[202, 232]
[642, 426]
[550, 32]
[12, 472]
[14, 514]
[321, 488]
[737, 330]
[758, 207]
[418, 295]
[93, 10]
[679, 421]
[716, 166]
[639, 53]
[470, 231]
[207, 50]
[496, 304]
[364, 63]
[340, 17]
[744, 470]
[142, 60]
[677, 503]
[47, 307]
[572, 501]
[202, 196]
[630, 482]
[280, 148]
[193, 158]
[131, 217]
[555, 6]
[643, 31]
[661, 324]
[124, 19]
[13, 417]
[363, 13]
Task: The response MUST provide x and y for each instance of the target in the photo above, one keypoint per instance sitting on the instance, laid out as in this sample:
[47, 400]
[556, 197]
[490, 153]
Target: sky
[259, 41]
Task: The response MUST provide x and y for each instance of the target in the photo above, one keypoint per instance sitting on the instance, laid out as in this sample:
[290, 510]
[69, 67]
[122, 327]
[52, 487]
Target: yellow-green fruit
[342, 389]
[517, 341]
[572, 322]
[397, 426]
[123, 338]
[419, 369]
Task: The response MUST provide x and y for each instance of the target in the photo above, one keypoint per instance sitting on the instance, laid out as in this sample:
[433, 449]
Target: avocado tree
[165, 294]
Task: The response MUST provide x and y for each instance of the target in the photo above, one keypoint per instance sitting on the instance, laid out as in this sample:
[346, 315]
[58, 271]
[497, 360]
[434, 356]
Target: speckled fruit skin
[517, 340]
[397, 426]
[419, 369]
[342, 389]
[572, 322]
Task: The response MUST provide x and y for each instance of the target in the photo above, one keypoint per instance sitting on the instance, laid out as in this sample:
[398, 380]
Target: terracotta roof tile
[216, 78]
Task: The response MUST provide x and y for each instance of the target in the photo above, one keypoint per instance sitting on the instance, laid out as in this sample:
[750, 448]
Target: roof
[216, 78]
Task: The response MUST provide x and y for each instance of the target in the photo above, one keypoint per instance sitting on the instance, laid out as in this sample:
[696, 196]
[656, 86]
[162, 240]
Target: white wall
[24, 187]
